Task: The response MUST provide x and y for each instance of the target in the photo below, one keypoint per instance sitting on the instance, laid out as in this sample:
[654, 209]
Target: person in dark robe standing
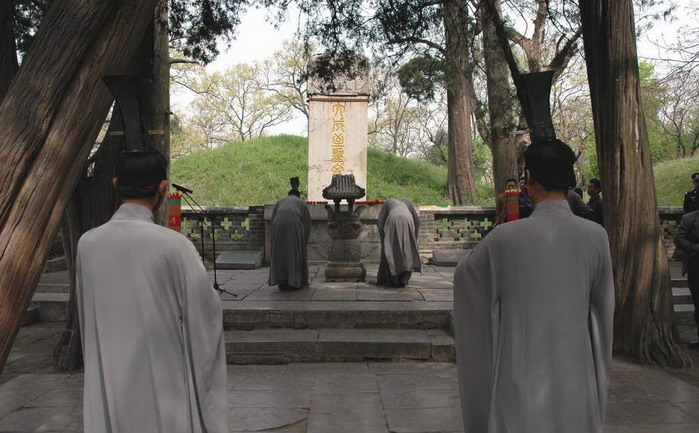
[398, 224]
[594, 188]
[687, 240]
[526, 207]
[291, 229]
[577, 204]
[691, 198]
[533, 310]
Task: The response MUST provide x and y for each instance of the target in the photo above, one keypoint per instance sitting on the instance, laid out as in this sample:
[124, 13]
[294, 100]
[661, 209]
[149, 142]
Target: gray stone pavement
[363, 397]
[356, 398]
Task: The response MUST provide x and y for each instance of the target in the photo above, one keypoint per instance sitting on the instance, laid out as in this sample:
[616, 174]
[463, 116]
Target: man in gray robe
[150, 320]
[533, 309]
[291, 228]
[398, 224]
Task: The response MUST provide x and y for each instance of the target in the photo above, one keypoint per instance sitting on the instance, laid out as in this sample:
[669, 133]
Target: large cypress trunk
[48, 121]
[160, 73]
[500, 103]
[644, 326]
[461, 188]
[95, 195]
[93, 204]
[68, 352]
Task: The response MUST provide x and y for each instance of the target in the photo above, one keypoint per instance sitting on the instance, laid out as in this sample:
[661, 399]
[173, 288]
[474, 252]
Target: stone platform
[331, 321]
[320, 323]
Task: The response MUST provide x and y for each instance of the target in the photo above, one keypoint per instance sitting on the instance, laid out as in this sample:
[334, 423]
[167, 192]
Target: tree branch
[562, 58]
[189, 61]
[426, 42]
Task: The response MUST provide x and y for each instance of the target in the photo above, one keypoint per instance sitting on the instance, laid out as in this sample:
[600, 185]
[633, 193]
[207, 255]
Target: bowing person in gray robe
[533, 310]
[291, 228]
[150, 320]
[398, 224]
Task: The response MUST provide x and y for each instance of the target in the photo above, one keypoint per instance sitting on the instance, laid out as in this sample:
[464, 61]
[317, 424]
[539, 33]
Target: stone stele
[337, 125]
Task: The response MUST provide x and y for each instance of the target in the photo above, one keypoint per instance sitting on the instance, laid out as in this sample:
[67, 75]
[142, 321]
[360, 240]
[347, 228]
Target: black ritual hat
[550, 163]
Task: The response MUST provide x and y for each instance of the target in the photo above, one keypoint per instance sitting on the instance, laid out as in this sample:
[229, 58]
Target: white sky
[257, 39]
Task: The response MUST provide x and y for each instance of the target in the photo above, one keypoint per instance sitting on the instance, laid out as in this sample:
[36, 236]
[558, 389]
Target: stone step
[249, 315]
[53, 307]
[30, 316]
[684, 314]
[240, 259]
[54, 282]
[681, 295]
[682, 300]
[281, 346]
[679, 282]
[55, 264]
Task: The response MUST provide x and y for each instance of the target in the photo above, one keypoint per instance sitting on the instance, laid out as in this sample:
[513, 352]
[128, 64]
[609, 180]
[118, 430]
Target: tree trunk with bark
[499, 104]
[644, 325]
[8, 48]
[160, 73]
[67, 355]
[48, 122]
[461, 188]
[95, 192]
[93, 204]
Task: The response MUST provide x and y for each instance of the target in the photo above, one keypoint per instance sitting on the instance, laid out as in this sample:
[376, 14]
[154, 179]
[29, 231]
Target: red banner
[174, 204]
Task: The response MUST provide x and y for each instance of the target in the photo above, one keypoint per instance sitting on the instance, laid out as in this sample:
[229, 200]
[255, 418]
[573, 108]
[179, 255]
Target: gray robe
[291, 228]
[398, 224]
[577, 204]
[533, 310]
[152, 330]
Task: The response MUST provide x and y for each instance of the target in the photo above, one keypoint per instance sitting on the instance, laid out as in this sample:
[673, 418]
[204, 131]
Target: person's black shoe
[287, 288]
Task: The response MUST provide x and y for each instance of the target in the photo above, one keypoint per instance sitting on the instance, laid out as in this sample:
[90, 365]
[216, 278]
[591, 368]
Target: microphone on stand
[180, 188]
[202, 214]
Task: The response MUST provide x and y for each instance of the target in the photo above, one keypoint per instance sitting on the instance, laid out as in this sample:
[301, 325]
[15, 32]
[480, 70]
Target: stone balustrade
[441, 228]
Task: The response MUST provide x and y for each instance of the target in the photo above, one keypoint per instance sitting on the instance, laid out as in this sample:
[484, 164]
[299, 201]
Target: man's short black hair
[139, 173]
[523, 178]
[695, 176]
[512, 179]
[597, 184]
[550, 164]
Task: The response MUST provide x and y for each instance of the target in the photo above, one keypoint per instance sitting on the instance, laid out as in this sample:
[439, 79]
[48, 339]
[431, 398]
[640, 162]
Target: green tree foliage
[421, 76]
[197, 25]
[653, 96]
[285, 74]
[233, 105]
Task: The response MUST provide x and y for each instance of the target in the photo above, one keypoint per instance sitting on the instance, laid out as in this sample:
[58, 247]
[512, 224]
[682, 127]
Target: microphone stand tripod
[201, 216]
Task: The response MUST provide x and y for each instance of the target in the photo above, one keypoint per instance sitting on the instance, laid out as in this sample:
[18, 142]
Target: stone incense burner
[344, 227]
